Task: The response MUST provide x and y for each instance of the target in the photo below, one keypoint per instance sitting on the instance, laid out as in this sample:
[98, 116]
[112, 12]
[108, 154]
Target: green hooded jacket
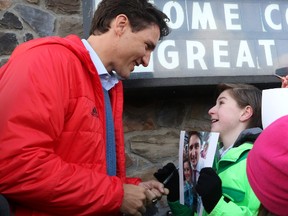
[231, 169]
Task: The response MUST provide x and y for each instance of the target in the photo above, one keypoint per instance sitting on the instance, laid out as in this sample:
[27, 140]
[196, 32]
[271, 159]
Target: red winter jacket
[52, 132]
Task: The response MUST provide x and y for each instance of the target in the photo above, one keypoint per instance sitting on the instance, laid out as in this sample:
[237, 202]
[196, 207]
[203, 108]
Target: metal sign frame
[232, 41]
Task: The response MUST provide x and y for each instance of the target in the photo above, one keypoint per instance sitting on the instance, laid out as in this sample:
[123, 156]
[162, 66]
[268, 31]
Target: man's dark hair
[140, 13]
[197, 133]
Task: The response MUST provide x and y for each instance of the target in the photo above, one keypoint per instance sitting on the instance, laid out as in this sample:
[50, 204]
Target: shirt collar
[108, 81]
[223, 151]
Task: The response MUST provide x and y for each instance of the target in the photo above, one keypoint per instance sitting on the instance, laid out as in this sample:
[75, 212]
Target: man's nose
[146, 59]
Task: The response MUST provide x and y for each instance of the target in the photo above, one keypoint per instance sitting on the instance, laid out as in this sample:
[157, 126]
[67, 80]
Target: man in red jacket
[61, 134]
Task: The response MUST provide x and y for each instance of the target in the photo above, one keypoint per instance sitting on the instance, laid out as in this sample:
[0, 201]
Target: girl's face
[187, 171]
[225, 115]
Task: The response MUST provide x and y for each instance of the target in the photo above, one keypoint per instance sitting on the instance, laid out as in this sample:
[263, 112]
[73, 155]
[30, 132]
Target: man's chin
[123, 76]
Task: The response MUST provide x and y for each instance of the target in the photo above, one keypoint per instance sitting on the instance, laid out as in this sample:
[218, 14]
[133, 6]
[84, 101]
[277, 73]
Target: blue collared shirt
[107, 80]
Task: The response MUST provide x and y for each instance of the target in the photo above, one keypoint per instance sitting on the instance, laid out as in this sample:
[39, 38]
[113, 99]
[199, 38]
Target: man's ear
[246, 113]
[121, 23]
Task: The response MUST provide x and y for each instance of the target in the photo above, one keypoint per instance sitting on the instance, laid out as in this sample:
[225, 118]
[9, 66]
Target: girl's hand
[284, 82]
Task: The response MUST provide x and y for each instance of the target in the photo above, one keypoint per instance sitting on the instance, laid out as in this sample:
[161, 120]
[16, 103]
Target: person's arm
[31, 124]
[209, 187]
[226, 208]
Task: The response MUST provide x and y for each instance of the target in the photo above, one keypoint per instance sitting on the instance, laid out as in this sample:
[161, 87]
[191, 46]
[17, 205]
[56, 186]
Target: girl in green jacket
[226, 191]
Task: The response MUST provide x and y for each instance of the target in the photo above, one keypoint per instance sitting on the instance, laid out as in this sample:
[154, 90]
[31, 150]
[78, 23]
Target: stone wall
[23, 20]
[153, 121]
[153, 118]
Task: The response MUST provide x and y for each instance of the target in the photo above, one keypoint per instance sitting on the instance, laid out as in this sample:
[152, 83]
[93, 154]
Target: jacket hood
[71, 42]
[248, 135]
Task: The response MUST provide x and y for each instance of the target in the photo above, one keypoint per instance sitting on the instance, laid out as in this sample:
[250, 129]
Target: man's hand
[134, 200]
[154, 190]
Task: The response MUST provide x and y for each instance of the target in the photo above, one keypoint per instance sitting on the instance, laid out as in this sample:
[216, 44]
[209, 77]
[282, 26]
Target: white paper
[274, 105]
[181, 177]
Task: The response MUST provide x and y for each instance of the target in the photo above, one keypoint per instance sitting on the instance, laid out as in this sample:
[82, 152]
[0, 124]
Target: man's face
[194, 150]
[134, 49]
